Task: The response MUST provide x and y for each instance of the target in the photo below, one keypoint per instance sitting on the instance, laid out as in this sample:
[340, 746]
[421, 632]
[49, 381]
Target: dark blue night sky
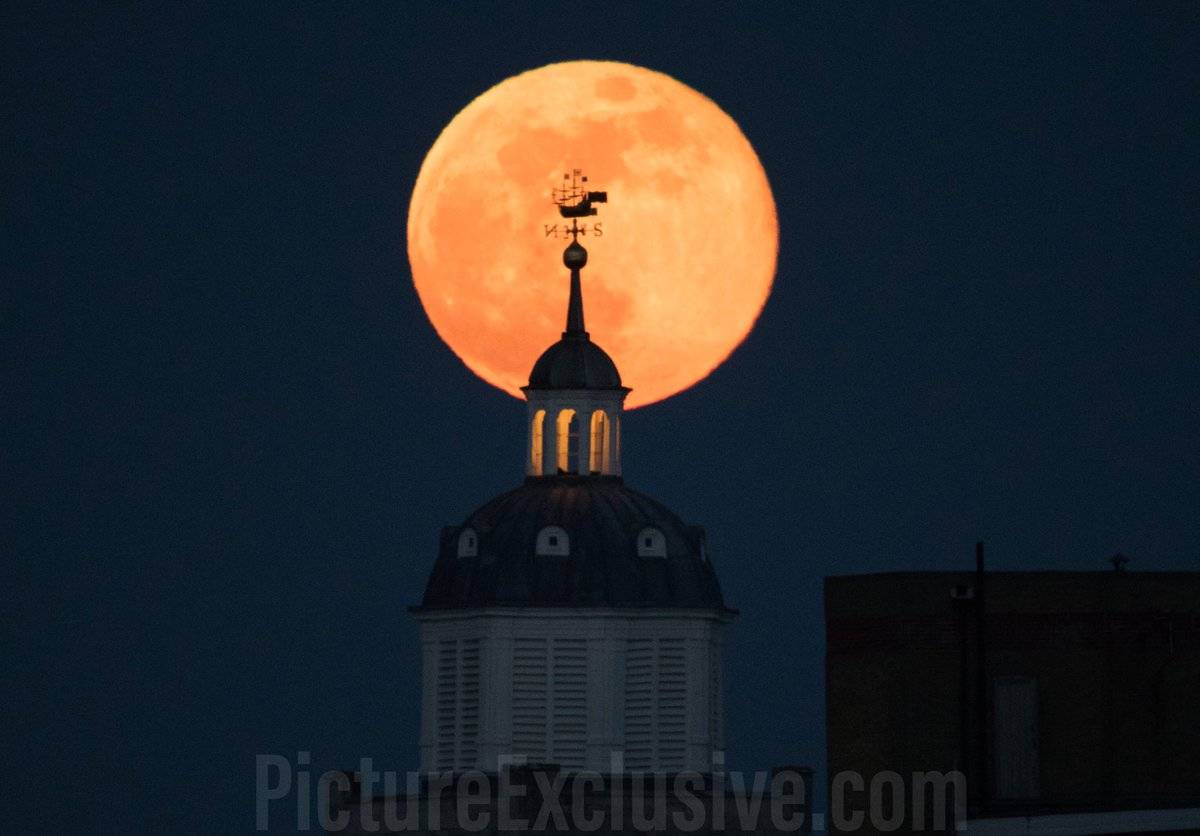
[231, 435]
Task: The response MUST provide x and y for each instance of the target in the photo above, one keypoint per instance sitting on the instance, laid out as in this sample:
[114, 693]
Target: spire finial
[574, 201]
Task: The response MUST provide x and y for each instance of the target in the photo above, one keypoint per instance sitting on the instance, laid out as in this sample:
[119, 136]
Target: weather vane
[574, 201]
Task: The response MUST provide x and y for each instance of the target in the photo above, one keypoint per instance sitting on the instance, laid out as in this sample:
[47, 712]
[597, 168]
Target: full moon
[686, 254]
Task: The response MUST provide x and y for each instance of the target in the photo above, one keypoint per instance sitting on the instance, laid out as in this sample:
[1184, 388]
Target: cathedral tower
[572, 620]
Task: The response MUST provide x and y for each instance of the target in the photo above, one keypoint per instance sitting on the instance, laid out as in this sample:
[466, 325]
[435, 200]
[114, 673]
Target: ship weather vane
[574, 201]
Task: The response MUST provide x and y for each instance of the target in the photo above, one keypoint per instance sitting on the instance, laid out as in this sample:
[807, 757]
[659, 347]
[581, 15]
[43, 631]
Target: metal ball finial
[575, 256]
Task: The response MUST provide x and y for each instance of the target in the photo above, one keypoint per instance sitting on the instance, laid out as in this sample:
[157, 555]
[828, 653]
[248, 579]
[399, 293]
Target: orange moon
[689, 243]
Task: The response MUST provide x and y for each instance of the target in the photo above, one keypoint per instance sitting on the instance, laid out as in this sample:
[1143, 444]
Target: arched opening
[537, 442]
[598, 454]
[567, 448]
[468, 543]
[552, 541]
[651, 543]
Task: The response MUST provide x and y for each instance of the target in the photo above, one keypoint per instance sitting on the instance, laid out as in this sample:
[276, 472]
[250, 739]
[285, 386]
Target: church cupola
[573, 620]
[575, 394]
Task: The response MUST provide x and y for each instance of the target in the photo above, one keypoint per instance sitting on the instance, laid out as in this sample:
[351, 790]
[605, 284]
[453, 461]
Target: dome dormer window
[468, 543]
[552, 541]
[651, 543]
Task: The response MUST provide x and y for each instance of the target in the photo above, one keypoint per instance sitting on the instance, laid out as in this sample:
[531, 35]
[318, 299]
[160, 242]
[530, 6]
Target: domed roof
[603, 520]
[574, 362]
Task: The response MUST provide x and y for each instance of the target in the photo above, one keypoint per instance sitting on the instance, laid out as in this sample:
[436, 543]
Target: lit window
[568, 441]
[552, 541]
[651, 543]
[537, 441]
[598, 457]
[468, 543]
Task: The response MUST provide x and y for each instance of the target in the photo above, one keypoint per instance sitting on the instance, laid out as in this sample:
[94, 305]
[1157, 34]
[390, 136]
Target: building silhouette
[1066, 699]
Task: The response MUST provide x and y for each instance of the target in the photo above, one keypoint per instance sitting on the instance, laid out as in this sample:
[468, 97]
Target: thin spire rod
[575, 257]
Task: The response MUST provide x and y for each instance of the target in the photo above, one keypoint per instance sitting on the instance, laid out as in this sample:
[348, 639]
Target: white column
[699, 743]
[428, 697]
[615, 441]
[496, 692]
[583, 414]
[606, 691]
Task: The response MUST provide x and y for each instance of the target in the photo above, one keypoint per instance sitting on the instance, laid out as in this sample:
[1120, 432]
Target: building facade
[1053, 693]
